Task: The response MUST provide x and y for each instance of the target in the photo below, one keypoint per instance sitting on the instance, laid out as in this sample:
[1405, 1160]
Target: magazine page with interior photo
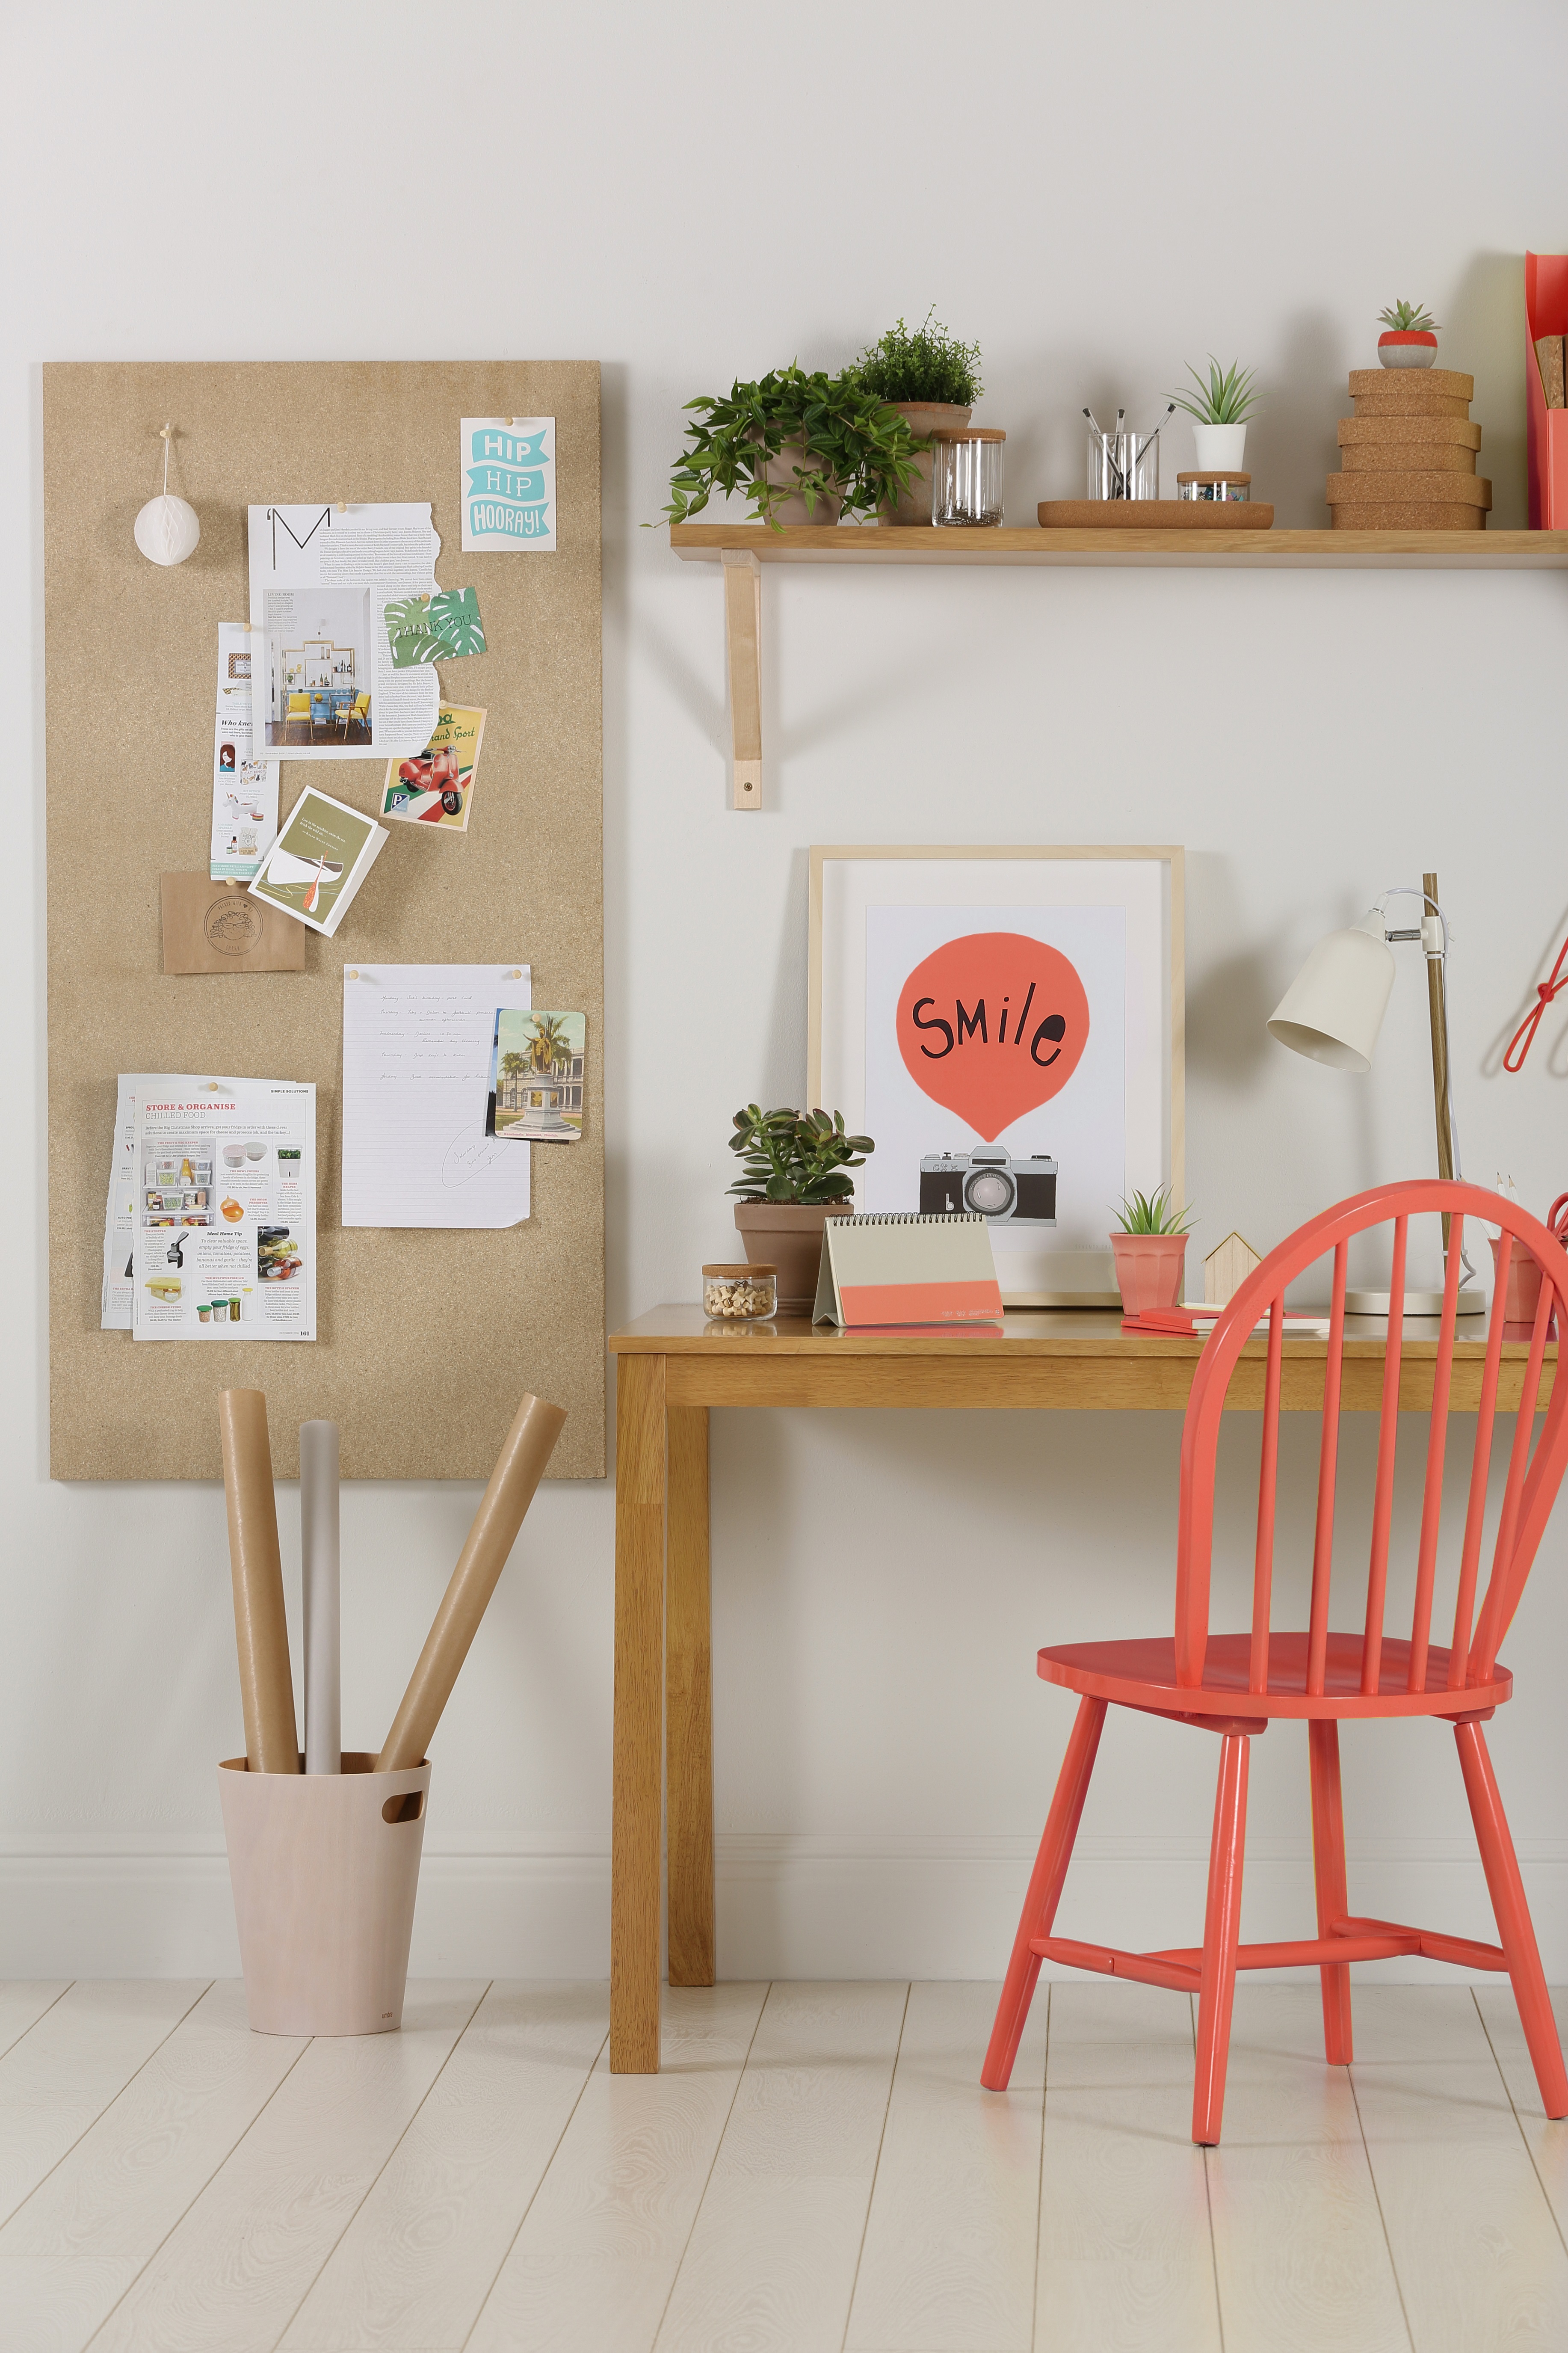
[538, 1066]
[244, 789]
[223, 1244]
[324, 685]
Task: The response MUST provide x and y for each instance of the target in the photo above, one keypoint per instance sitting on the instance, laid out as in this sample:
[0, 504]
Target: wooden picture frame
[1053, 888]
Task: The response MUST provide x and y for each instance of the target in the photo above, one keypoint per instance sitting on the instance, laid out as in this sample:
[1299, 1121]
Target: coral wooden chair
[1233, 1685]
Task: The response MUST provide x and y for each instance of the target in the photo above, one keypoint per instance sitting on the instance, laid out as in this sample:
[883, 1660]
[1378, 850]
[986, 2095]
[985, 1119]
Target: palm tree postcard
[537, 1069]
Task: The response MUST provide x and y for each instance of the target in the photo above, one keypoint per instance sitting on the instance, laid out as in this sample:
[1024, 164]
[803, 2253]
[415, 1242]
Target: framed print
[1008, 1025]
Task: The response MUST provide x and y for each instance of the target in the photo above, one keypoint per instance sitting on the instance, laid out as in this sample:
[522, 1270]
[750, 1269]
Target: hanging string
[167, 434]
[1524, 1036]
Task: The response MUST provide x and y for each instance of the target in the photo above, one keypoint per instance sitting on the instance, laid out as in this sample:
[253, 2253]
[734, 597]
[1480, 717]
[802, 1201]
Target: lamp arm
[1432, 935]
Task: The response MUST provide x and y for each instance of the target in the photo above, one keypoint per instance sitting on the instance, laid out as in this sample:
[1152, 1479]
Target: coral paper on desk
[898, 1273]
[416, 1056]
[224, 1214]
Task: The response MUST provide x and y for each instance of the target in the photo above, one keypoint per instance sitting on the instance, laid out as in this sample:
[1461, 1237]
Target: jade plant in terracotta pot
[794, 1178]
[1150, 1248]
[933, 380]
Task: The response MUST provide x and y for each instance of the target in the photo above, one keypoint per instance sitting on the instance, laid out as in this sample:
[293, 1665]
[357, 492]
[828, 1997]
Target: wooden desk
[673, 1365]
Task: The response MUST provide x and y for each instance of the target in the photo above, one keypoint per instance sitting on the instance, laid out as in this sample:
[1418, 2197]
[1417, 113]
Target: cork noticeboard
[428, 1339]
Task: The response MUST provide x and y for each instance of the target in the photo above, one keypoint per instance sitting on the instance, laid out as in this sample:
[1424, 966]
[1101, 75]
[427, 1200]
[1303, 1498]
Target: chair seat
[1143, 1675]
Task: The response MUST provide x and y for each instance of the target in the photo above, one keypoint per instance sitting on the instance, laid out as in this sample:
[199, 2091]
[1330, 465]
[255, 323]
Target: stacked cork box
[1409, 454]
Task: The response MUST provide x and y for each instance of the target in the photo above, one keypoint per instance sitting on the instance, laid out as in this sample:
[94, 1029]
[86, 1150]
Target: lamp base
[1417, 1303]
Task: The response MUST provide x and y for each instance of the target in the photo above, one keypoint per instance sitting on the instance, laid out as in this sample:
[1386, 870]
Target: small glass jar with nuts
[739, 1294]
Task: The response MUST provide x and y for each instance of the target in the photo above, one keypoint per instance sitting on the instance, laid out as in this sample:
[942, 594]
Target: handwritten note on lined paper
[416, 1064]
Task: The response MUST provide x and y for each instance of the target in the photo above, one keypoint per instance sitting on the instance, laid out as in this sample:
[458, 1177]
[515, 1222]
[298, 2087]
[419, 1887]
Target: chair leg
[1045, 1893]
[1329, 1872]
[1515, 1931]
[1222, 1929]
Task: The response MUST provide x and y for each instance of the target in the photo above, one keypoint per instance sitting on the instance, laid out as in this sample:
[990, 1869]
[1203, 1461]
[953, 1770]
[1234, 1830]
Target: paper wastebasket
[325, 1872]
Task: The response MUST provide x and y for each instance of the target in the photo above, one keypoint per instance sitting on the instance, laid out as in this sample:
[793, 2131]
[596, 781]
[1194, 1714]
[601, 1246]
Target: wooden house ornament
[1226, 1268]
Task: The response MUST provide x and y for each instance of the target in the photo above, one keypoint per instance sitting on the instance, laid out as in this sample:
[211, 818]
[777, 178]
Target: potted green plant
[931, 379]
[1150, 1250]
[803, 448]
[792, 1178]
[1219, 410]
[1411, 336]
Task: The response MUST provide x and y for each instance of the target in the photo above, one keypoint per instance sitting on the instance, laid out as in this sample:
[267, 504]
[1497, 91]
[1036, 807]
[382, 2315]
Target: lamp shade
[1333, 1009]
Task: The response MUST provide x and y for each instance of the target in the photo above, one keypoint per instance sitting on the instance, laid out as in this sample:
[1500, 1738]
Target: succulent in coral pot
[794, 1178]
[1150, 1248]
[1410, 336]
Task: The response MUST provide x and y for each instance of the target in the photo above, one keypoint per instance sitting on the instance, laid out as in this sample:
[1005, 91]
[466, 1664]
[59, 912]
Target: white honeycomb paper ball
[167, 529]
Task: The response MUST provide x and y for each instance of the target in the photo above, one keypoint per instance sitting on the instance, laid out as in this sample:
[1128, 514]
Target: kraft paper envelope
[219, 927]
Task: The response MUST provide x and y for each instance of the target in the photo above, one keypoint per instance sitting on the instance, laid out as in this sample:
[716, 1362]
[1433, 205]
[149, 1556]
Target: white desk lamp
[1332, 1011]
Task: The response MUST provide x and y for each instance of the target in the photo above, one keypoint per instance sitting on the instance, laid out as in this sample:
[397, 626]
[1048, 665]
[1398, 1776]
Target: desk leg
[640, 1442]
[688, 1702]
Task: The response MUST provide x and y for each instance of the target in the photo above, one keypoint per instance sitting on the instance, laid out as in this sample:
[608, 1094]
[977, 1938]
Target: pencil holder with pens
[1124, 464]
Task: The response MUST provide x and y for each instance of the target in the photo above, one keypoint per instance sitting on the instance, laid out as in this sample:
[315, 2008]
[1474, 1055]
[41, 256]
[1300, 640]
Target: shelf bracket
[743, 649]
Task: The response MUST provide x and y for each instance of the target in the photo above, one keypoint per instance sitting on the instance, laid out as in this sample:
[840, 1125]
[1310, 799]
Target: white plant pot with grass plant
[1219, 409]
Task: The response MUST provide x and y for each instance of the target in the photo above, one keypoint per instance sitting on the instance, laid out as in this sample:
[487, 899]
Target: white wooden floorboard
[52, 2304]
[593, 2265]
[231, 2275]
[1547, 2141]
[1478, 2255]
[416, 2263]
[22, 2001]
[1300, 2256]
[1126, 2261]
[59, 2077]
[91, 2224]
[772, 2254]
[948, 2265]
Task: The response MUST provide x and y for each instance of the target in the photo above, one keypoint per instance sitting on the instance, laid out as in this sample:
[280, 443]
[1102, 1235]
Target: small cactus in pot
[1410, 336]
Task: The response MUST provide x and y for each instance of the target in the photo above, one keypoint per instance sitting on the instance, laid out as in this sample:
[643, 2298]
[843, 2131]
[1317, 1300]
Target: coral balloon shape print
[993, 1025]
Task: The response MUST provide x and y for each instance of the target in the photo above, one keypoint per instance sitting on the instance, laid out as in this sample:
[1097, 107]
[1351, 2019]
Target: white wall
[688, 195]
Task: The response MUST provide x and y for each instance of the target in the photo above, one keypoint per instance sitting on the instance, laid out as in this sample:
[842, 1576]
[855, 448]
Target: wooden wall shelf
[1195, 551]
[742, 549]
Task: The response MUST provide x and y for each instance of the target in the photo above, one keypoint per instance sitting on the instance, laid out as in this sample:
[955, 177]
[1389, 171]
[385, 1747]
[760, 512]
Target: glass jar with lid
[1217, 489]
[966, 476]
[739, 1294]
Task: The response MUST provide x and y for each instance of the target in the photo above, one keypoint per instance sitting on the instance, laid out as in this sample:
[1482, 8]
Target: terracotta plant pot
[1407, 347]
[1523, 1287]
[1149, 1269]
[785, 1235]
[923, 417]
[793, 509]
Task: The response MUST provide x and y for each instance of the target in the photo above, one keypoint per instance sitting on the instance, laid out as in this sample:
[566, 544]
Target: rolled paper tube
[319, 1584]
[529, 1445]
[260, 1627]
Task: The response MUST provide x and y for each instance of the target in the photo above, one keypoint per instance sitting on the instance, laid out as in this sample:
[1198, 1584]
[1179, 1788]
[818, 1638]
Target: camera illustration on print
[989, 1183]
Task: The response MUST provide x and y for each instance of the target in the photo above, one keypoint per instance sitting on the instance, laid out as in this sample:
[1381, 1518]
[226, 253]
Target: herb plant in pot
[1410, 336]
[933, 380]
[1149, 1249]
[1219, 410]
[793, 1180]
[803, 449]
